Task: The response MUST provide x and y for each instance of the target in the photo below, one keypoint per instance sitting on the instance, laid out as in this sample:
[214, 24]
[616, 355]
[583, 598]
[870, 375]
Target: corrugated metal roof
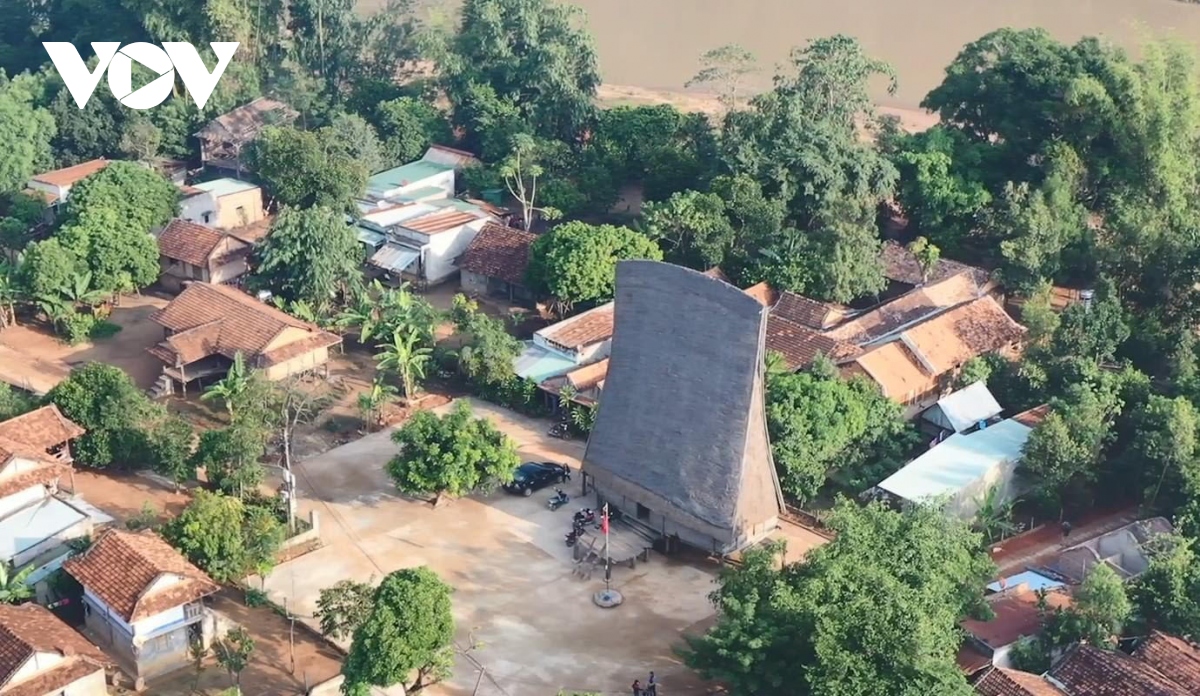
[404, 175]
[30, 526]
[964, 408]
[370, 237]
[225, 187]
[538, 364]
[1033, 580]
[395, 258]
[957, 463]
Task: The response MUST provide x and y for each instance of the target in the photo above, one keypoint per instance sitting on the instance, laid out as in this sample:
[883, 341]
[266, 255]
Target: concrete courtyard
[526, 624]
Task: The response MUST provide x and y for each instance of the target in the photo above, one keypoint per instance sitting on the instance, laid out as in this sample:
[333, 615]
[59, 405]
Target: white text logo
[173, 57]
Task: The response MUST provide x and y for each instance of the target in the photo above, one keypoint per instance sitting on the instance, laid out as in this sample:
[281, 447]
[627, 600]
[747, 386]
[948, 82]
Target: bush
[519, 394]
[77, 328]
[225, 537]
[103, 329]
[256, 598]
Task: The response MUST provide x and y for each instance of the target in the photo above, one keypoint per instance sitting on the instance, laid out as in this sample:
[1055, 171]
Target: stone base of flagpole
[607, 599]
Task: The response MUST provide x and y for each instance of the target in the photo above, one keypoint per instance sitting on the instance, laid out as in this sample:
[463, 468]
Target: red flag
[604, 520]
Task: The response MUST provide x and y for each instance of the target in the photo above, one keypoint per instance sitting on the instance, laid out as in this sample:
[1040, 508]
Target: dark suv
[531, 476]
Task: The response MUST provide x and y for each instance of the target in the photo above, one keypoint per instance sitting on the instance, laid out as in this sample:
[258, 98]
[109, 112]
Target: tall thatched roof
[682, 426]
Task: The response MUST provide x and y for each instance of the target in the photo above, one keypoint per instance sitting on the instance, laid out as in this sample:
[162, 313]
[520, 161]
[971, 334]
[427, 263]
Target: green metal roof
[404, 175]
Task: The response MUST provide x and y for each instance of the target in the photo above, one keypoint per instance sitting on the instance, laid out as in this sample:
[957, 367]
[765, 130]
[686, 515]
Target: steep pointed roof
[682, 421]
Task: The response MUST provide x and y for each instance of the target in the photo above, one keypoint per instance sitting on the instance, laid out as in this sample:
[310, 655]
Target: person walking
[637, 687]
[651, 685]
[1066, 529]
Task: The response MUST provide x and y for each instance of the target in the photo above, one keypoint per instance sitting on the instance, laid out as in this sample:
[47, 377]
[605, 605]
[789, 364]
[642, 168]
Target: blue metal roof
[538, 364]
[1033, 580]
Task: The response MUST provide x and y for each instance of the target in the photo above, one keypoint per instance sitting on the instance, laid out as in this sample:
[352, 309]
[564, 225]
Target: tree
[230, 456]
[577, 262]
[119, 255]
[1164, 450]
[230, 388]
[994, 515]
[1166, 596]
[1060, 459]
[1100, 610]
[233, 652]
[927, 256]
[691, 228]
[487, 358]
[724, 68]
[46, 267]
[455, 454]
[225, 537]
[534, 55]
[304, 169]
[410, 628]
[939, 187]
[404, 356]
[311, 256]
[169, 449]
[344, 607]
[139, 198]
[358, 142]
[853, 617]
[820, 423]
[13, 588]
[106, 403]
[13, 402]
[26, 129]
[371, 402]
[141, 140]
[408, 126]
[520, 171]
[1093, 331]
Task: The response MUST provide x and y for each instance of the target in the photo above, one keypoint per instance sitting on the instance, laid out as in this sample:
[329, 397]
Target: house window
[207, 218]
[643, 512]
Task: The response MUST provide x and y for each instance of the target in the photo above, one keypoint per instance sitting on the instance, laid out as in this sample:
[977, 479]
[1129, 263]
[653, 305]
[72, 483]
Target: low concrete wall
[333, 687]
[304, 538]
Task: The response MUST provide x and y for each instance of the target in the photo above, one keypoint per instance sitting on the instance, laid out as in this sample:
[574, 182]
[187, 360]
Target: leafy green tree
[854, 616]
[691, 227]
[927, 255]
[520, 171]
[939, 187]
[106, 403]
[303, 169]
[577, 262]
[822, 425]
[358, 142]
[487, 357]
[408, 126]
[455, 453]
[233, 652]
[725, 68]
[118, 255]
[139, 198]
[27, 129]
[1094, 331]
[371, 402]
[410, 628]
[1060, 459]
[312, 256]
[1167, 595]
[533, 55]
[343, 607]
[378, 312]
[13, 402]
[224, 536]
[230, 456]
[169, 449]
[1098, 614]
[141, 140]
[1164, 450]
[14, 588]
[230, 388]
[405, 356]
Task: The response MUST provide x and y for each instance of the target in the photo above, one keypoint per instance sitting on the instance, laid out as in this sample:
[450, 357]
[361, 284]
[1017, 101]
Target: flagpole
[607, 560]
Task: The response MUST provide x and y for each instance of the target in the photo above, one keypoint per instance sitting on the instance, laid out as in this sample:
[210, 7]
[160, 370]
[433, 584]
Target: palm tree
[406, 357]
[80, 291]
[56, 308]
[364, 314]
[232, 386]
[14, 590]
[371, 402]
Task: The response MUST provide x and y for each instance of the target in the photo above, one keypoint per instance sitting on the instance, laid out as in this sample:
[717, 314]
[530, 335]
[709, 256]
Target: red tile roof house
[1016, 616]
[190, 251]
[494, 264]
[143, 601]
[35, 521]
[207, 325]
[42, 656]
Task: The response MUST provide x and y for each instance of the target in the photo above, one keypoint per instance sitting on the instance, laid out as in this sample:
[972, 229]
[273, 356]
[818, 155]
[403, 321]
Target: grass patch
[104, 329]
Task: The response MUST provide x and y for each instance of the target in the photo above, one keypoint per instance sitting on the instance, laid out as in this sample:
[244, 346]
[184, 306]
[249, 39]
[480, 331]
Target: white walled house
[143, 601]
[557, 349]
[35, 523]
[420, 180]
[54, 186]
[42, 656]
[424, 240]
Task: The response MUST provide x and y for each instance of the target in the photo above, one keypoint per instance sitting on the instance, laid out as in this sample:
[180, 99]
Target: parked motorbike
[559, 499]
[571, 537]
[578, 527]
[585, 517]
[560, 430]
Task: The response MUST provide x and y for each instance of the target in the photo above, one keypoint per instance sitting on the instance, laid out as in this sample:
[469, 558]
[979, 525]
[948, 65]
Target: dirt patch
[123, 495]
[126, 350]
